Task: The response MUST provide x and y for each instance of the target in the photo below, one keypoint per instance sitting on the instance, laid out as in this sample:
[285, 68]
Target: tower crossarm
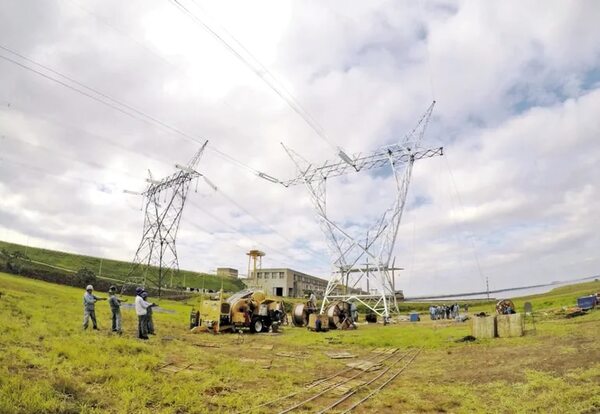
[170, 181]
[378, 159]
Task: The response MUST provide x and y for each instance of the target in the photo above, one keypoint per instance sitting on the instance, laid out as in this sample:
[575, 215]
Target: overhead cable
[261, 71]
[114, 103]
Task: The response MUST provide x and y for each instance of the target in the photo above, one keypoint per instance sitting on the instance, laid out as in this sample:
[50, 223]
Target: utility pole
[347, 250]
[487, 287]
[164, 202]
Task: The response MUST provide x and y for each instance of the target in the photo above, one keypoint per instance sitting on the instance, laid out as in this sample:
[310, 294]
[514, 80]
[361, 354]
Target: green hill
[112, 270]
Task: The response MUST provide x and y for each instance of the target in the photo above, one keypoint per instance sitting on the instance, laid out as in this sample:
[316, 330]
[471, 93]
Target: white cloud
[517, 115]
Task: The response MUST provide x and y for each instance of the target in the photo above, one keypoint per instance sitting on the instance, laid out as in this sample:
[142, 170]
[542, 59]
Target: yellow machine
[246, 310]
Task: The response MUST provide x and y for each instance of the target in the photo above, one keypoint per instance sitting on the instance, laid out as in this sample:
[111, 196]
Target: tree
[85, 276]
[14, 262]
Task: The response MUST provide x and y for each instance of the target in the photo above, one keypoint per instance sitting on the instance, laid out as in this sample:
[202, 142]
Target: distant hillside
[69, 263]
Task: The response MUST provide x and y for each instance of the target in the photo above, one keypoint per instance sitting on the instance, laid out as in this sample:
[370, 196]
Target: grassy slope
[115, 269]
[47, 364]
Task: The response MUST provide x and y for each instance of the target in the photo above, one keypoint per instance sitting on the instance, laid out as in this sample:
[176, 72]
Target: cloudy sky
[514, 199]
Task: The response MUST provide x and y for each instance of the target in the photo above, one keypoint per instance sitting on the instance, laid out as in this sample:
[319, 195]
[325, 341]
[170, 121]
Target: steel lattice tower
[164, 200]
[348, 251]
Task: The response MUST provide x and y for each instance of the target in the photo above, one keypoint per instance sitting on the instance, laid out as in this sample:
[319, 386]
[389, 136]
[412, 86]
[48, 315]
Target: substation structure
[348, 252]
[156, 256]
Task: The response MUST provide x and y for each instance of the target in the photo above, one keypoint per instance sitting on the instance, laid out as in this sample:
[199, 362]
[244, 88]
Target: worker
[149, 320]
[141, 309]
[115, 308]
[318, 325]
[353, 313]
[312, 300]
[89, 307]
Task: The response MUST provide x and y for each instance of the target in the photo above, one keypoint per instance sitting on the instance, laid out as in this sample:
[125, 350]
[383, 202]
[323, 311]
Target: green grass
[115, 269]
[49, 365]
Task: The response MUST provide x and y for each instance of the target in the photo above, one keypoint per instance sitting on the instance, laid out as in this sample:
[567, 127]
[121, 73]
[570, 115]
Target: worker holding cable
[89, 307]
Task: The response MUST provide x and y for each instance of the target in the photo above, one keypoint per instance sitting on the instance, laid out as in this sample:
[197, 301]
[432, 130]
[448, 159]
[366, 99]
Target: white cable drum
[299, 315]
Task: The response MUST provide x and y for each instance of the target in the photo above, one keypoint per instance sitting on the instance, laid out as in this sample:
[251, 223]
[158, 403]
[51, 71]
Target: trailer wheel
[256, 325]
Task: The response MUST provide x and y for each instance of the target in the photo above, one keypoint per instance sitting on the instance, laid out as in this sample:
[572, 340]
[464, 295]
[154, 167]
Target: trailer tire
[256, 325]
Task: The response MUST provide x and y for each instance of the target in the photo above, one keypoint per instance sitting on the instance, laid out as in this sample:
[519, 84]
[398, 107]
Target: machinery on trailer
[248, 310]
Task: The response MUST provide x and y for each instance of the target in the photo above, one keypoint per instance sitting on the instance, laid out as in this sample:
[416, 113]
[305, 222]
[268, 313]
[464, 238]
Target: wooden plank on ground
[340, 355]
[363, 365]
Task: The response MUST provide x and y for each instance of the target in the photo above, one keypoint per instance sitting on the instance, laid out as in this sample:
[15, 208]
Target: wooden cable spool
[503, 305]
[337, 312]
[300, 315]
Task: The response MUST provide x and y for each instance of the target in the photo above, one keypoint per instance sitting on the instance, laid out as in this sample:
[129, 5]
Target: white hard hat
[89, 287]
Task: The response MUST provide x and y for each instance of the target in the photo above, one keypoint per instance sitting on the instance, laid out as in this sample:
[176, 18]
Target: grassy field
[114, 269]
[49, 365]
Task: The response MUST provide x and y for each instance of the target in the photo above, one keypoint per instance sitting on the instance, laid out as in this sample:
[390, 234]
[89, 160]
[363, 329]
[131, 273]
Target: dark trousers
[149, 323]
[143, 326]
[116, 320]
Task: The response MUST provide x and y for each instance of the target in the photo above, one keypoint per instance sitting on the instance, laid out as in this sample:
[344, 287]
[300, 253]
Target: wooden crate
[484, 327]
[510, 325]
[312, 319]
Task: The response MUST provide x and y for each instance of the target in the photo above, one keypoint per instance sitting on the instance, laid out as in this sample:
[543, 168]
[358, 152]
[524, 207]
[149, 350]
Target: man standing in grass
[141, 309]
[89, 307]
[115, 308]
[149, 320]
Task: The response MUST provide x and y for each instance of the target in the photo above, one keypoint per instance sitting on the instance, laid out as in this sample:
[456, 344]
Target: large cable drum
[300, 314]
[505, 306]
[337, 313]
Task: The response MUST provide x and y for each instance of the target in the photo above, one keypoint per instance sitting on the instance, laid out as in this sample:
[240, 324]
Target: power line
[117, 105]
[97, 185]
[268, 226]
[261, 71]
[229, 198]
[120, 32]
[63, 125]
[114, 103]
[236, 231]
[79, 160]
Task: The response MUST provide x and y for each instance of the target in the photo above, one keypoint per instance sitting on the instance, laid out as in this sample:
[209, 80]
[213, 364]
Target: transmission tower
[156, 255]
[376, 248]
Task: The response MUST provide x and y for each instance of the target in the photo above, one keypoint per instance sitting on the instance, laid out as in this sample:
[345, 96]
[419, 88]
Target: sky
[514, 199]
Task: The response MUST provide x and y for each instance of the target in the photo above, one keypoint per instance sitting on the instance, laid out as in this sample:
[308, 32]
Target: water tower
[254, 258]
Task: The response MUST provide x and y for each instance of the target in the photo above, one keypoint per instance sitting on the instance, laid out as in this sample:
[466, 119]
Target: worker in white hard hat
[89, 307]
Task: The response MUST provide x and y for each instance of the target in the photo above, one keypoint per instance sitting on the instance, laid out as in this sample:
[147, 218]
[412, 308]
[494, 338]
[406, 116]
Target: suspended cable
[473, 249]
[67, 158]
[261, 71]
[268, 226]
[63, 125]
[97, 185]
[427, 53]
[116, 104]
[236, 231]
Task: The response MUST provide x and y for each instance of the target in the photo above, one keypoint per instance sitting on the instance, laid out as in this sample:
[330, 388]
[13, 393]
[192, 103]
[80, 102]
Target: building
[227, 271]
[286, 282]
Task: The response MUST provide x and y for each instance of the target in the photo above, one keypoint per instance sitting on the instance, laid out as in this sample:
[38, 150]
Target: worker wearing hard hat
[115, 308]
[141, 309]
[89, 307]
[149, 320]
